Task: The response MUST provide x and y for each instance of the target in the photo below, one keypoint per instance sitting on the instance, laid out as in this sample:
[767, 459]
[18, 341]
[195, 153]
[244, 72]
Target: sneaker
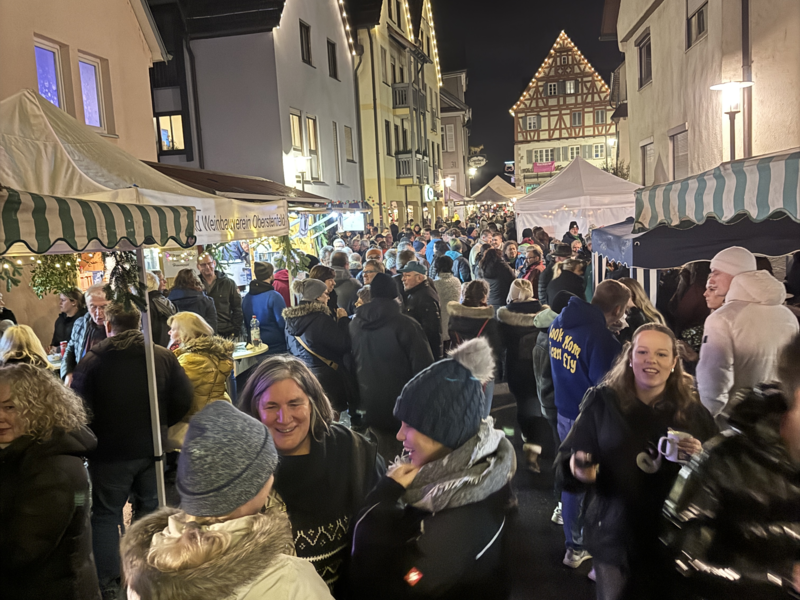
[575, 558]
[592, 575]
[557, 518]
[532, 452]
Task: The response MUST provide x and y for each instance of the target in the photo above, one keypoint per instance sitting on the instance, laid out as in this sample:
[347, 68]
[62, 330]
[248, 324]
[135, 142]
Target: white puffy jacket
[743, 339]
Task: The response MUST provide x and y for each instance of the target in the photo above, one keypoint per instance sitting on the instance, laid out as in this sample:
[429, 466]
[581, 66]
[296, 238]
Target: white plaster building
[675, 50]
[456, 118]
[256, 85]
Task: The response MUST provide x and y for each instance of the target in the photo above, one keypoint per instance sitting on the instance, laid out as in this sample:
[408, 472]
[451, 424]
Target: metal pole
[732, 116]
[155, 420]
[747, 75]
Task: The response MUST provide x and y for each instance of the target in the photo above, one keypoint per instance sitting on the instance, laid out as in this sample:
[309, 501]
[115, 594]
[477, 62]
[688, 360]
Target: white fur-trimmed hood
[516, 319]
[454, 309]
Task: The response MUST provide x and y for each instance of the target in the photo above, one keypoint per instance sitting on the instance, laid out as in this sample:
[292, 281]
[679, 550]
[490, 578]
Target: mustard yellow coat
[208, 362]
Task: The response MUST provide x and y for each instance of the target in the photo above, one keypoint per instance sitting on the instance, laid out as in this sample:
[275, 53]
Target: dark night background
[502, 43]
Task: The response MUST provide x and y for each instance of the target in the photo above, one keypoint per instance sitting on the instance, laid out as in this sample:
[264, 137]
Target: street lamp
[448, 181]
[611, 143]
[731, 93]
[300, 167]
[473, 171]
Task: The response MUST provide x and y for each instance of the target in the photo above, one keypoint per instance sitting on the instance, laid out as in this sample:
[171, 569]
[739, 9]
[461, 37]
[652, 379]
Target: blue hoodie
[267, 305]
[582, 350]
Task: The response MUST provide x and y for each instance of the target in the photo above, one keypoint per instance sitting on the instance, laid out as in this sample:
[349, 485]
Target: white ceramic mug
[668, 446]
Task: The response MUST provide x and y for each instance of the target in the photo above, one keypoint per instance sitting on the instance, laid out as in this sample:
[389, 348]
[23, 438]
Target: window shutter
[577, 86]
[586, 151]
[680, 155]
[450, 138]
[562, 87]
[544, 89]
[529, 156]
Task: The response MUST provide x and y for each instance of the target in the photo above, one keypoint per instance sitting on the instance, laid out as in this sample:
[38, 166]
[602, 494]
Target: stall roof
[500, 187]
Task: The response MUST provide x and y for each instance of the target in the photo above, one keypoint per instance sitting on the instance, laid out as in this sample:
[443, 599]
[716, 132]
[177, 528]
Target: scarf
[469, 474]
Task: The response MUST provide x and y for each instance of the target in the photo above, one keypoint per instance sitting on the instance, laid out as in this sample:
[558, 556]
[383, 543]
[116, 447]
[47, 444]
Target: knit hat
[573, 224]
[734, 261]
[309, 289]
[446, 400]
[383, 286]
[226, 459]
[262, 270]
[418, 246]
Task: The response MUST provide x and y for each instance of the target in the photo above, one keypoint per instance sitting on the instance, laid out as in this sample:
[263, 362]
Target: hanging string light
[348, 32]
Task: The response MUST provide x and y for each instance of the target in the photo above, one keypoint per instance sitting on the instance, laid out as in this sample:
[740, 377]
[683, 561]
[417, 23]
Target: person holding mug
[614, 448]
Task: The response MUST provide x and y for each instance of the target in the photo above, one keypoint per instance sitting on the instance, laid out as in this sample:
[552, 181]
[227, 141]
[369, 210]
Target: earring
[673, 370]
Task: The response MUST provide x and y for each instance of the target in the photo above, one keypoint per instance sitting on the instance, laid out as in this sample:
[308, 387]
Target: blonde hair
[525, 290]
[196, 546]
[641, 300]
[570, 264]
[43, 402]
[152, 281]
[20, 344]
[189, 326]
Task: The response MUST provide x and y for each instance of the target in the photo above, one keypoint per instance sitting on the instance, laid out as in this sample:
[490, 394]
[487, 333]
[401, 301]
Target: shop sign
[225, 220]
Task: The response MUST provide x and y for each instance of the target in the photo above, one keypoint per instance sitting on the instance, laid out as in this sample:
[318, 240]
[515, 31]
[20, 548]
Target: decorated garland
[54, 274]
[124, 286]
[10, 273]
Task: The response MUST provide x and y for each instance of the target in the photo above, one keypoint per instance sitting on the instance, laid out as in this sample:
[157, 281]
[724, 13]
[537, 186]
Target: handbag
[480, 331]
[330, 363]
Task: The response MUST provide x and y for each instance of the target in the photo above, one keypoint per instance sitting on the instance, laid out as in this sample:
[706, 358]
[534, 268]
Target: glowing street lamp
[448, 181]
[611, 143]
[301, 168]
[731, 95]
[473, 171]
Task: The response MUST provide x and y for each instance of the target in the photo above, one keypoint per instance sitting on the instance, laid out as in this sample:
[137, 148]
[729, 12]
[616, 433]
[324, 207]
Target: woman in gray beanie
[223, 542]
[433, 526]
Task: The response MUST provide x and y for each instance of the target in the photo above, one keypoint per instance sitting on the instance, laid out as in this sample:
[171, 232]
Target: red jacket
[281, 285]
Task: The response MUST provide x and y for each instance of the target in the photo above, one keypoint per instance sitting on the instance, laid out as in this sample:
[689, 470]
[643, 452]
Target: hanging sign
[544, 167]
[225, 220]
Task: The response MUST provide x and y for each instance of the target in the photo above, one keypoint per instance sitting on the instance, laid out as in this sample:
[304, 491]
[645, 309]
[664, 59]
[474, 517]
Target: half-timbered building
[563, 113]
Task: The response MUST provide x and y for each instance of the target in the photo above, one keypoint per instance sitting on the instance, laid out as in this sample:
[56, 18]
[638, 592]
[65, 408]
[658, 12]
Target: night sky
[502, 43]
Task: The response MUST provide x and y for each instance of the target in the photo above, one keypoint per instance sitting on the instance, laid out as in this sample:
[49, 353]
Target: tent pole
[653, 286]
[155, 421]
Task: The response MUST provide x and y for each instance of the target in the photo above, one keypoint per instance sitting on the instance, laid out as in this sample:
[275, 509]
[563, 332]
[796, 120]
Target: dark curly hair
[187, 279]
[476, 293]
[322, 273]
[492, 263]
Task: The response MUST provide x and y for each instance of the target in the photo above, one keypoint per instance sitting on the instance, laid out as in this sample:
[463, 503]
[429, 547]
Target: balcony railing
[405, 95]
[403, 161]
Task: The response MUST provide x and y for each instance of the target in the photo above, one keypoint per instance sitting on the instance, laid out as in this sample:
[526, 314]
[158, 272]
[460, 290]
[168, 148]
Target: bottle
[255, 332]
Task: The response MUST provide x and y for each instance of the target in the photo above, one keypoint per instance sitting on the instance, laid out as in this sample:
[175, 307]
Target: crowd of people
[359, 458]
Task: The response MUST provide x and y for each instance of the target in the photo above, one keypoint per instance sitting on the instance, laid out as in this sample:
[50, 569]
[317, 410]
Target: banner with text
[225, 220]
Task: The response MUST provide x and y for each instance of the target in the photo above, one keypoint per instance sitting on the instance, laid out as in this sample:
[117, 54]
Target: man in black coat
[112, 380]
[383, 336]
[223, 291]
[422, 303]
[561, 253]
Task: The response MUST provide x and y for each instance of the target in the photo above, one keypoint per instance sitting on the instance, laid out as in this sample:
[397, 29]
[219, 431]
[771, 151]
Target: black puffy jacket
[228, 303]
[422, 303]
[45, 535]
[733, 517]
[197, 302]
[519, 334]
[469, 322]
[499, 279]
[568, 281]
[161, 310]
[384, 337]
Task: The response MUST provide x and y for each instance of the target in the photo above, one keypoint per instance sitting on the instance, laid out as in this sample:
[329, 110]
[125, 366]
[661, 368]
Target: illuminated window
[48, 71]
[571, 87]
[552, 89]
[91, 91]
[336, 157]
[349, 152]
[297, 131]
[313, 147]
[532, 122]
[599, 151]
[170, 132]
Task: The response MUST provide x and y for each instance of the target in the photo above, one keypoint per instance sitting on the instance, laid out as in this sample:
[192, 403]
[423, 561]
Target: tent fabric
[580, 192]
[499, 187]
[667, 247]
[51, 223]
[491, 196]
[755, 187]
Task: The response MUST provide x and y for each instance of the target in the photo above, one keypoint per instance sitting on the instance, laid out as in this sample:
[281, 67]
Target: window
[91, 91]
[529, 156]
[599, 151]
[577, 119]
[397, 137]
[564, 60]
[405, 137]
[599, 117]
[398, 13]
[532, 122]
[450, 138]
[297, 131]
[680, 155]
[383, 64]
[428, 42]
[696, 25]
[648, 160]
[313, 147]
[336, 157]
[349, 151]
[170, 132]
[645, 61]
[333, 66]
[391, 11]
[387, 132]
[574, 152]
[571, 86]
[552, 89]
[394, 71]
[543, 155]
[48, 72]
[402, 74]
[305, 42]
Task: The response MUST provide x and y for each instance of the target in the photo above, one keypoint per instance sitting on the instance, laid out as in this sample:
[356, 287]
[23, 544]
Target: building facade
[675, 50]
[456, 119]
[563, 113]
[268, 93]
[399, 83]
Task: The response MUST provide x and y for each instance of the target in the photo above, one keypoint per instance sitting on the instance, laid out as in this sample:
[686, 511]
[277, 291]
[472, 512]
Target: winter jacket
[196, 302]
[62, 331]
[460, 266]
[499, 280]
[422, 303]
[281, 285]
[325, 336]
[469, 322]
[445, 539]
[382, 335]
[45, 500]
[582, 350]
[228, 303]
[161, 310]
[259, 563]
[733, 525]
[7, 315]
[518, 334]
[542, 370]
[346, 289]
[569, 238]
[567, 281]
[532, 274]
[544, 280]
[112, 380]
[76, 345]
[267, 305]
[448, 288]
[742, 339]
[207, 361]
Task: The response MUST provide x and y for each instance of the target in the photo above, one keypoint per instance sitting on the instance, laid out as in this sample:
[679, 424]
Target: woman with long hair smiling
[616, 447]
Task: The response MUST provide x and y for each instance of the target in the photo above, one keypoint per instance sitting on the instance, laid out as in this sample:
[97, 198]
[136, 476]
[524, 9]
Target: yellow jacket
[208, 362]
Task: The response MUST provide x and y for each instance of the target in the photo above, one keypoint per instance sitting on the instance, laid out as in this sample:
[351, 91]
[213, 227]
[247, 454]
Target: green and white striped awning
[755, 187]
[51, 223]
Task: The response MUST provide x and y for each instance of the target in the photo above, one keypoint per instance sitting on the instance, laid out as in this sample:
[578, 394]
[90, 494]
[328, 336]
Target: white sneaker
[592, 575]
[532, 452]
[557, 518]
[575, 558]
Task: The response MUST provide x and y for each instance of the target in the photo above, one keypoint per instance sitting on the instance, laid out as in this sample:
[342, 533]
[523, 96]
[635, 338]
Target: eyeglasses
[371, 272]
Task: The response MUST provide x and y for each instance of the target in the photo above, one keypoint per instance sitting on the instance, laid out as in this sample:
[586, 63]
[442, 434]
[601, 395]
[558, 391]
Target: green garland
[289, 258]
[11, 273]
[54, 274]
[124, 286]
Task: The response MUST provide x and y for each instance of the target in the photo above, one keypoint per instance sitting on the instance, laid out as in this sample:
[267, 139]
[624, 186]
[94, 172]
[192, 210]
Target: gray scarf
[469, 474]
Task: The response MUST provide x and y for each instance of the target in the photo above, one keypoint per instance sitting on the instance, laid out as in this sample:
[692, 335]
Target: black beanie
[383, 286]
[262, 270]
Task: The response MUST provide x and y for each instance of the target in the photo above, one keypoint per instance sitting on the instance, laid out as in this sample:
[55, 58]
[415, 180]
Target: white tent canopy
[580, 192]
[46, 151]
[497, 190]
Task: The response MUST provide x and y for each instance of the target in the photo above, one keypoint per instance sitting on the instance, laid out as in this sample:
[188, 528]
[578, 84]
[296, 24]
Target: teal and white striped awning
[51, 223]
[755, 187]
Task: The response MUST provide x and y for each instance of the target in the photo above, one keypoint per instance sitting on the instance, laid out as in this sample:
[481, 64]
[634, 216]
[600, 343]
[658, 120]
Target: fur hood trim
[454, 309]
[476, 356]
[210, 345]
[305, 308]
[256, 541]
[515, 318]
